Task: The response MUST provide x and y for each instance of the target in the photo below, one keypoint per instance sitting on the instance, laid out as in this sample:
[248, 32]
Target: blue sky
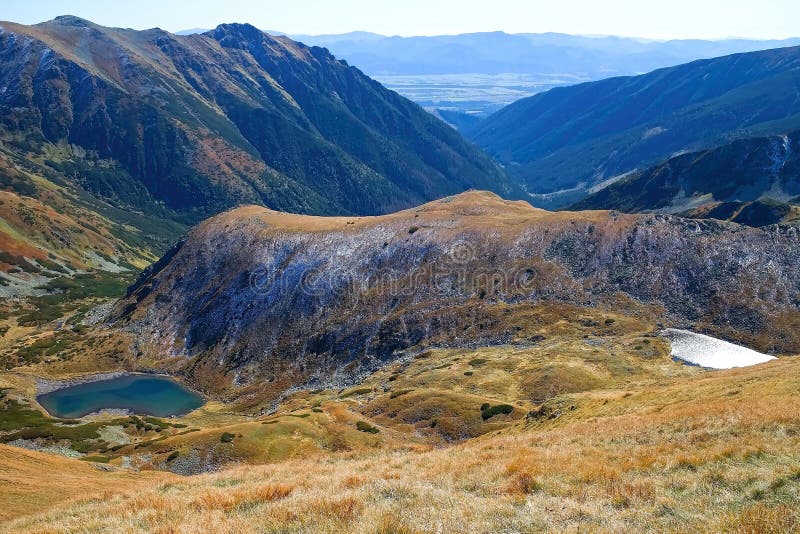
[643, 18]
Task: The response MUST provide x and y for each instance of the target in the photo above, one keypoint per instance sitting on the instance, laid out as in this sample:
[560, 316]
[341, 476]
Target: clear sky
[666, 19]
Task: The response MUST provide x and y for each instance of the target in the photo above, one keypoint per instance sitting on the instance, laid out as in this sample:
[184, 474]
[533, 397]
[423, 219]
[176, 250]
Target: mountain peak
[234, 30]
[71, 20]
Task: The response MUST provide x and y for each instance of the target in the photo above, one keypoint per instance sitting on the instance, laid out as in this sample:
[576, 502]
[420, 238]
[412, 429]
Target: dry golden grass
[473, 209]
[33, 481]
[717, 451]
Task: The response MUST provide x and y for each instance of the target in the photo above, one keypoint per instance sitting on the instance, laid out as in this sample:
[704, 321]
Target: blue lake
[141, 394]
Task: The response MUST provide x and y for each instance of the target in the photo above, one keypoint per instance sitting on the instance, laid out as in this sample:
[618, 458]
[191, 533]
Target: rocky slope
[761, 212]
[570, 139]
[751, 181]
[261, 298]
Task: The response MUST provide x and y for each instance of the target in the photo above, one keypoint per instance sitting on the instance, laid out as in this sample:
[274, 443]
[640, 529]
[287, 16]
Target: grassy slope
[581, 421]
[709, 451]
[619, 436]
[62, 252]
[33, 481]
[435, 397]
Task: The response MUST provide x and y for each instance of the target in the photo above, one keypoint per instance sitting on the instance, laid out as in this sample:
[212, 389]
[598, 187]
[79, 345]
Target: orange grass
[687, 455]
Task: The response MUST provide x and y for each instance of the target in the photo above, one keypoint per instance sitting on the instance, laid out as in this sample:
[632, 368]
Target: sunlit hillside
[648, 454]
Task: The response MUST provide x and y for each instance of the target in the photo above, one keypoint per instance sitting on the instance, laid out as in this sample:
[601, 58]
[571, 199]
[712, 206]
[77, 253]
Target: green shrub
[363, 426]
[82, 446]
[359, 391]
[173, 455]
[226, 437]
[96, 459]
[487, 411]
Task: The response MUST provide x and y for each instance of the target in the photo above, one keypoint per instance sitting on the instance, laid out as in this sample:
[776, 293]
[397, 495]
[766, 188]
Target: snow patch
[779, 153]
[653, 132]
[710, 352]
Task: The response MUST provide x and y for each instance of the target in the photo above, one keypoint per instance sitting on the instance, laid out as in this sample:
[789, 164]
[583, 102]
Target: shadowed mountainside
[751, 181]
[575, 137]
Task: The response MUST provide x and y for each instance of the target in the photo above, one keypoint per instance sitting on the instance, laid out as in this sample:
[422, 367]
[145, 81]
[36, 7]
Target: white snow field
[710, 352]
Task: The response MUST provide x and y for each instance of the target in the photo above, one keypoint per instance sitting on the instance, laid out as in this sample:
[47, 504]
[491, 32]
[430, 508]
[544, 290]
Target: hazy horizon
[680, 19]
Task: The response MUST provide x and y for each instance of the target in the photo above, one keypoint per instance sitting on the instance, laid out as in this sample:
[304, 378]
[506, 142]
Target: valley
[478, 73]
[571, 142]
[475, 95]
[361, 425]
[509, 284]
[634, 451]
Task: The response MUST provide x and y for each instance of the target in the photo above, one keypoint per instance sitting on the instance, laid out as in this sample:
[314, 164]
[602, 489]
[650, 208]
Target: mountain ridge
[578, 136]
[454, 272]
[719, 181]
[192, 72]
[136, 135]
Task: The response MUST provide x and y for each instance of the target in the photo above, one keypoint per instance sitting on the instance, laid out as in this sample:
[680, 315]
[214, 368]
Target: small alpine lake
[141, 394]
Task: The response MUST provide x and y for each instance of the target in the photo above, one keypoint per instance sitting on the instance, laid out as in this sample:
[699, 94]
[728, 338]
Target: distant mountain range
[531, 53]
[176, 128]
[569, 142]
[480, 72]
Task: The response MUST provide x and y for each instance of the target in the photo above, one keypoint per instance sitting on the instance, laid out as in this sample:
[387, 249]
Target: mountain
[761, 212]
[481, 72]
[329, 39]
[149, 129]
[531, 53]
[223, 307]
[192, 31]
[571, 139]
[753, 181]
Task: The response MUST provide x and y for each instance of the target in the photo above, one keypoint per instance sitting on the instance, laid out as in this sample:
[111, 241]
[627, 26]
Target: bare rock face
[257, 297]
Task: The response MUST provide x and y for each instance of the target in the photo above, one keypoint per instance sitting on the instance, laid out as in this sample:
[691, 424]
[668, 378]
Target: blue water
[141, 394]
